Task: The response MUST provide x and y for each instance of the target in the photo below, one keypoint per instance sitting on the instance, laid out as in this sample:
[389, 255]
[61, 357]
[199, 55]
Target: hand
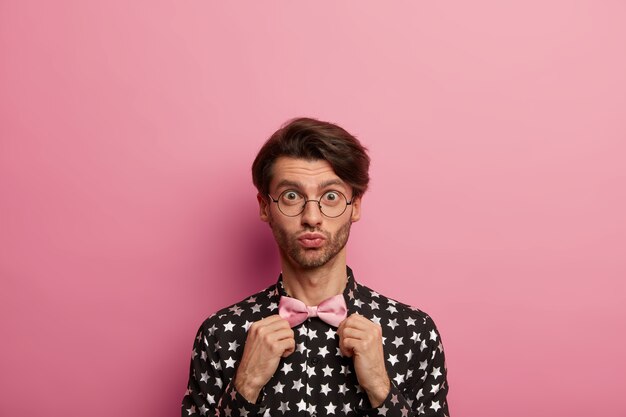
[362, 339]
[268, 340]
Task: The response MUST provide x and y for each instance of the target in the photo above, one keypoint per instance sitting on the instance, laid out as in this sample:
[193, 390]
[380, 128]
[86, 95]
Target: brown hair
[312, 140]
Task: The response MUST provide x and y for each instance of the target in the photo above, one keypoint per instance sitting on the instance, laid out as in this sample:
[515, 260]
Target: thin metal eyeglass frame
[306, 201]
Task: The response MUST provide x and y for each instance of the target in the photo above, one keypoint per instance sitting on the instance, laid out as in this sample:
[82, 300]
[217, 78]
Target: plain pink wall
[497, 132]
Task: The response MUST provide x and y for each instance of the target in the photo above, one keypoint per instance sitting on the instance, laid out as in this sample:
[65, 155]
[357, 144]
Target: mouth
[311, 240]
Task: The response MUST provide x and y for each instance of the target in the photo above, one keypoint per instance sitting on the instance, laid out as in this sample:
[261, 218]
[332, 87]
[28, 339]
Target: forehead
[308, 173]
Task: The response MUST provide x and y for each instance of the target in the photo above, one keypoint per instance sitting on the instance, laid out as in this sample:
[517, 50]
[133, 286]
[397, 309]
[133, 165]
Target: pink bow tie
[332, 310]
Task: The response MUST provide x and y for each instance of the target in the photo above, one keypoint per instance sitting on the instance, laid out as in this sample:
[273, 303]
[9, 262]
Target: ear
[264, 208]
[356, 209]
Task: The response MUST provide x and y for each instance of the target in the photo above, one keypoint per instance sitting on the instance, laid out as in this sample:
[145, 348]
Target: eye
[331, 197]
[291, 197]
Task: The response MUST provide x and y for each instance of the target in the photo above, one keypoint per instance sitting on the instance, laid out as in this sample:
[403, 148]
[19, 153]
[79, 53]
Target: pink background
[498, 137]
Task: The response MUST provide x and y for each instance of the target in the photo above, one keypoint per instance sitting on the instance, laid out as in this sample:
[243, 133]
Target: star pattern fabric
[316, 380]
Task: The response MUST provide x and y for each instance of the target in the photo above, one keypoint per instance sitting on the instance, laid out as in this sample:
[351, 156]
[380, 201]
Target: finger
[275, 320]
[346, 347]
[282, 334]
[286, 347]
[351, 333]
[359, 322]
[269, 325]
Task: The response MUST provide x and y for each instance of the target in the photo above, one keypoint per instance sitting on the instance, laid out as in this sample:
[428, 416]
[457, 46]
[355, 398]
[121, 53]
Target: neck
[312, 286]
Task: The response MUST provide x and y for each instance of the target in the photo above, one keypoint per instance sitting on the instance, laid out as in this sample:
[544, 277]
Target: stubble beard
[311, 258]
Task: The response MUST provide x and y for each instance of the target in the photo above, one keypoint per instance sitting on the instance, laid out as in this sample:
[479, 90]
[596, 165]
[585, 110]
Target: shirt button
[314, 360]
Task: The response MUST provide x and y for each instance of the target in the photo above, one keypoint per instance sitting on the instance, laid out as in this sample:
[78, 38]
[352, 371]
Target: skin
[311, 274]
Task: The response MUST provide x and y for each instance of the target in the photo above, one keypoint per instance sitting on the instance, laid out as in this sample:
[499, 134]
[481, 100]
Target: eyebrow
[296, 184]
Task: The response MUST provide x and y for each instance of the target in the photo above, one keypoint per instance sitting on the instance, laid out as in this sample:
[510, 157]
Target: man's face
[310, 239]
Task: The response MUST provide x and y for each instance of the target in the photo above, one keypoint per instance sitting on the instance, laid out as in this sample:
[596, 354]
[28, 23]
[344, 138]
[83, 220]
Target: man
[317, 342]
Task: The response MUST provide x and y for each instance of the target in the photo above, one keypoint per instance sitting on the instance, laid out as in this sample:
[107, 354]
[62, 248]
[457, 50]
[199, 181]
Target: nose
[312, 214]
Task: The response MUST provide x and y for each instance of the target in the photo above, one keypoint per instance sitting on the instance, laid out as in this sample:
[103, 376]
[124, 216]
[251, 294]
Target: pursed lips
[311, 240]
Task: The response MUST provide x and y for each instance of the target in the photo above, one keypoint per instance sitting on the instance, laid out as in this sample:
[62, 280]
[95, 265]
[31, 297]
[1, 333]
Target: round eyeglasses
[291, 203]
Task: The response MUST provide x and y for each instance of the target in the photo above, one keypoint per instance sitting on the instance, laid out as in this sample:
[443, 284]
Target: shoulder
[236, 319]
[392, 313]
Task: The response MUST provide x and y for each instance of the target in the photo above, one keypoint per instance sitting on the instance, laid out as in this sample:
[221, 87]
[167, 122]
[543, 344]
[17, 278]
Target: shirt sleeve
[424, 391]
[210, 392]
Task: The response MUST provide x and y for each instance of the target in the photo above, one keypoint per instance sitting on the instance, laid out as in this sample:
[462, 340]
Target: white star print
[330, 333]
[393, 359]
[435, 405]
[230, 363]
[233, 346]
[399, 379]
[373, 305]
[286, 368]
[278, 388]
[436, 373]
[420, 394]
[228, 327]
[323, 351]
[383, 410]
[330, 408]
[433, 335]
[298, 384]
[397, 342]
[328, 371]
[393, 324]
[325, 389]
[302, 405]
[256, 308]
[284, 406]
[203, 410]
[204, 377]
[191, 410]
[410, 322]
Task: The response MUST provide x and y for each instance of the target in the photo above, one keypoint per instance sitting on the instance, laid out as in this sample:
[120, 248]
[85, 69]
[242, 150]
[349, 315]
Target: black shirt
[316, 380]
